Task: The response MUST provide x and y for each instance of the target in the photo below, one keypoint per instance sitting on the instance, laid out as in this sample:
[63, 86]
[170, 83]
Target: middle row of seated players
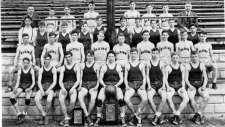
[144, 78]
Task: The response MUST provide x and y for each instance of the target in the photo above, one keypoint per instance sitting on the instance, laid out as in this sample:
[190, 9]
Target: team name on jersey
[203, 51]
[183, 49]
[25, 52]
[163, 48]
[100, 48]
[51, 51]
[74, 49]
[121, 52]
[145, 51]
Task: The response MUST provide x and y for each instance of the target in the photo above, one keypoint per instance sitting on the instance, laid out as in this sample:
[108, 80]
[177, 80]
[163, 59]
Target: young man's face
[134, 55]
[184, 36]
[138, 22]
[165, 8]
[175, 58]
[101, 36]
[132, 5]
[64, 28]
[42, 28]
[26, 39]
[111, 58]
[155, 54]
[188, 7]
[51, 39]
[68, 59]
[51, 12]
[27, 21]
[171, 23]
[193, 29]
[194, 58]
[91, 7]
[121, 39]
[47, 61]
[154, 24]
[145, 36]
[165, 36]
[99, 21]
[74, 36]
[202, 37]
[149, 8]
[84, 27]
[26, 63]
[30, 10]
[67, 10]
[90, 58]
[123, 22]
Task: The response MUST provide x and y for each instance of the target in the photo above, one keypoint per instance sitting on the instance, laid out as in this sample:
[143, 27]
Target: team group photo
[130, 67]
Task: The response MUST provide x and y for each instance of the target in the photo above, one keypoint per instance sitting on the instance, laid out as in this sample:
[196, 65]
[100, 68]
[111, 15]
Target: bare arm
[144, 76]
[126, 76]
[119, 70]
[33, 79]
[39, 79]
[204, 76]
[18, 79]
[16, 57]
[147, 77]
[77, 69]
[54, 72]
[102, 72]
[187, 76]
[42, 55]
[61, 78]
[61, 55]
[183, 76]
[82, 54]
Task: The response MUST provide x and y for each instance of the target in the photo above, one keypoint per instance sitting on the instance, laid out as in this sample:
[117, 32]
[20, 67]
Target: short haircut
[183, 31]
[171, 19]
[24, 59]
[25, 35]
[90, 52]
[193, 24]
[66, 6]
[121, 34]
[153, 20]
[155, 49]
[194, 52]
[64, 24]
[111, 52]
[91, 2]
[188, 3]
[203, 33]
[41, 23]
[148, 5]
[173, 54]
[122, 18]
[47, 56]
[164, 31]
[145, 31]
[83, 23]
[134, 49]
[68, 53]
[74, 31]
[27, 17]
[52, 34]
[101, 32]
[132, 2]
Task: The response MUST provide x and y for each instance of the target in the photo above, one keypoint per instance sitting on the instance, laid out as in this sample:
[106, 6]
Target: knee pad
[13, 101]
[99, 103]
[121, 103]
[27, 101]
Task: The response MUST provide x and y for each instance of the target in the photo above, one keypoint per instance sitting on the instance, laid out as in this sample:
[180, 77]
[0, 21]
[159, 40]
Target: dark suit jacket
[35, 17]
[186, 22]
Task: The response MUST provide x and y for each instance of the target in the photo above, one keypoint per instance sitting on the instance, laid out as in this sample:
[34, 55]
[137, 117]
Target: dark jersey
[154, 37]
[25, 78]
[64, 40]
[47, 76]
[89, 74]
[111, 75]
[85, 40]
[69, 75]
[155, 73]
[136, 38]
[96, 31]
[134, 74]
[41, 40]
[194, 39]
[195, 74]
[126, 34]
[173, 36]
[175, 75]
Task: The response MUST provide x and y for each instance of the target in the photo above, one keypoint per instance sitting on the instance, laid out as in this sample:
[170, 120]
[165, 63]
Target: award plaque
[110, 113]
[78, 118]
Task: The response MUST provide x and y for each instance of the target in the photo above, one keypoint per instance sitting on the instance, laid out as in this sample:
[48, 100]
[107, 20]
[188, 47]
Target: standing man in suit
[33, 15]
[186, 22]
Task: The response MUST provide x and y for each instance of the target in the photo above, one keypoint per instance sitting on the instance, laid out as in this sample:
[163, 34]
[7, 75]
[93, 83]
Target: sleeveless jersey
[64, 40]
[134, 74]
[154, 37]
[47, 76]
[111, 75]
[69, 75]
[194, 39]
[155, 73]
[126, 34]
[85, 40]
[175, 75]
[96, 31]
[173, 36]
[89, 74]
[25, 78]
[195, 74]
[136, 38]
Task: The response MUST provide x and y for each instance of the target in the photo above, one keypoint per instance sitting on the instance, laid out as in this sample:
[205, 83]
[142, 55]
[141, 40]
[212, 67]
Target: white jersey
[51, 25]
[184, 48]
[122, 53]
[144, 50]
[100, 51]
[25, 51]
[165, 50]
[76, 48]
[204, 52]
[91, 14]
[165, 21]
[32, 32]
[54, 51]
[71, 23]
[131, 14]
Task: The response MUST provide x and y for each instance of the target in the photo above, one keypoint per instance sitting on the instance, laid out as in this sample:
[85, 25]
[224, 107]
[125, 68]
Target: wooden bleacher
[211, 12]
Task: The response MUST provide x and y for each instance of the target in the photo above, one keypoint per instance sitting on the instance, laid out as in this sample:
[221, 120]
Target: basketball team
[150, 57]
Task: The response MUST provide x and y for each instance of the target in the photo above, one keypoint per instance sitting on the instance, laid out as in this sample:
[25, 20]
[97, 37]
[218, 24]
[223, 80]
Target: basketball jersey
[136, 38]
[100, 50]
[64, 39]
[184, 48]
[89, 73]
[131, 14]
[69, 22]
[91, 14]
[51, 25]
[204, 51]
[96, 31]
[165, 21]
[25, 51]
[28, 30]
[47, 76]
[154, 37]
[134, 73]
[76, 49]
[25, 78]
[165, 49]
[175, 75]
[126, 33]
[122, 52]
[155, 73]
[195, 74]
[53, 50]
[41, 40]
[173, 36]
[145, 49]
[85, 39]
[111, 75]
[69, 74]
[194, 39]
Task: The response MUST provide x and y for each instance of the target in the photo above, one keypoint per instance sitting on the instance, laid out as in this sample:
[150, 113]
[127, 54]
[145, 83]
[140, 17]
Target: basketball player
[64, 36]
[27, 29]
[111, 75]
[75, 47]
[156, 84]
[193, 35]
[196, 80]
[165, 48]
[22, 51]
[145, 47]
[206, 56]
[154, 33]
[47, 78]
[89, 85]
[100, 48]
[122, 51]
[146, 22]
[124, 29]
[164, 22]
[175, 82]
[98, 28]
[91, 14]
[136, 33]
[51, 21]
[71, 23]
[132, 13]
[25, 83]
[184, 48]
[55, 50]
[69, 80]
[135, 81]
[173, 32]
